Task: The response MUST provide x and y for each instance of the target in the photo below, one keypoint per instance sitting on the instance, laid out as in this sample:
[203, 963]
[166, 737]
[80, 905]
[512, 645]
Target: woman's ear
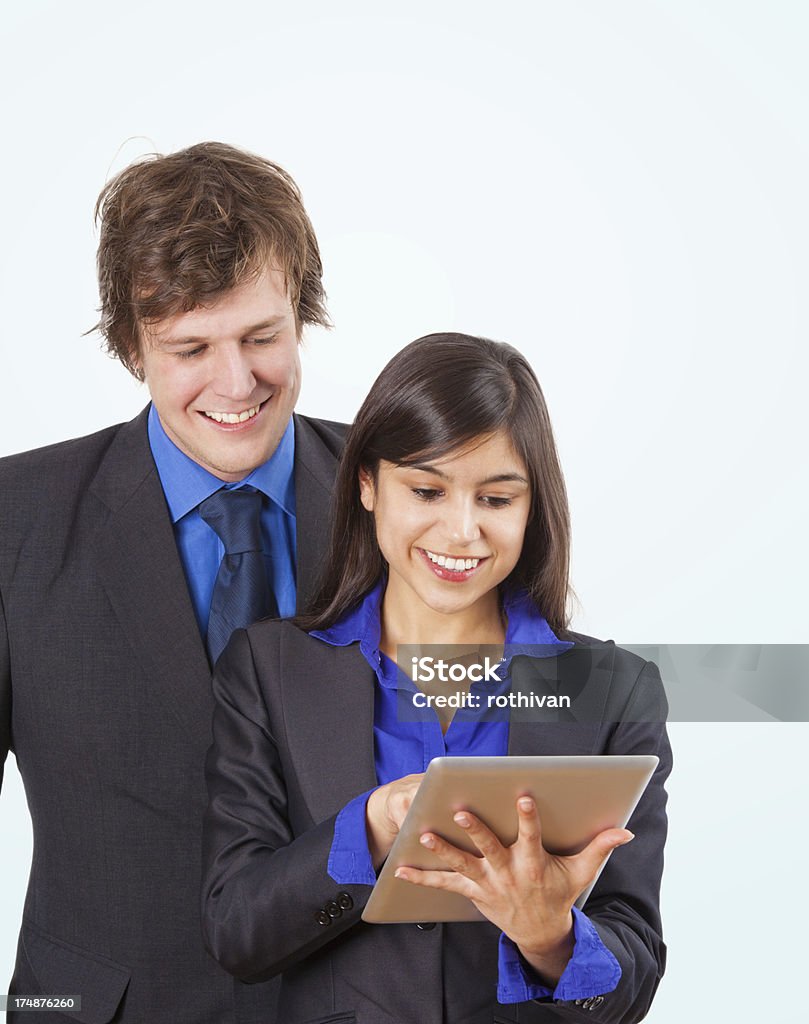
[367, 489]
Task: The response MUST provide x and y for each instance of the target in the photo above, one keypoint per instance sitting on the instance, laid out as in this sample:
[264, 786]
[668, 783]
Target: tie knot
[236, 517]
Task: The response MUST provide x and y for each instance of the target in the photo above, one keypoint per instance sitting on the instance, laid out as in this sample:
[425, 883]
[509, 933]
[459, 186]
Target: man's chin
[230, 471]
[231, 462]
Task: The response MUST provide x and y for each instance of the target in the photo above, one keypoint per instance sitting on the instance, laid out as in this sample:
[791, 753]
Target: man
[121, 578]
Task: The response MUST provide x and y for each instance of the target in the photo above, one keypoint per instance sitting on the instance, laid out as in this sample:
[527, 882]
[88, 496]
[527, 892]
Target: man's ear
[367, 489]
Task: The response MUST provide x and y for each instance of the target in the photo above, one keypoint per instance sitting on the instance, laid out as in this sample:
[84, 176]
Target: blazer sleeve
[5, 691]
[265, 889]
[624, 904]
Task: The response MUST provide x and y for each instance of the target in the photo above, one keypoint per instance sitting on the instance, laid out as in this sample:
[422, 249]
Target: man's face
[225, 377]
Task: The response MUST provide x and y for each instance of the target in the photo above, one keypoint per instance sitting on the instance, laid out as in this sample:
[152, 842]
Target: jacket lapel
[315, 469]
[140, 569]
[329, 718]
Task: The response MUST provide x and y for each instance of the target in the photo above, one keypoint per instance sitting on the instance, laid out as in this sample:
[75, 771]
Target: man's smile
[237, 418]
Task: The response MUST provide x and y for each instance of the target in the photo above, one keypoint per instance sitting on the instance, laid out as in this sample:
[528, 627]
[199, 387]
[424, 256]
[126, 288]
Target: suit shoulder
[330, 432]
[42, 492]
[630, 680]
[55, 461]
[625, 667]
[274, 634]
[624, 661]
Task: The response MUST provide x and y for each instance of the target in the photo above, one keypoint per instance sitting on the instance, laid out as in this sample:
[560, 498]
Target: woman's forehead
[488, 457]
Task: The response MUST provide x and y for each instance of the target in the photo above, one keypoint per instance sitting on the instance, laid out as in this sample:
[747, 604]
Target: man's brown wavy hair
[179, 231]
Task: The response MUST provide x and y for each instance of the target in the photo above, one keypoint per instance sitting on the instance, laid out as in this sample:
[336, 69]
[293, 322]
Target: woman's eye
[427, 493]
[494, 502]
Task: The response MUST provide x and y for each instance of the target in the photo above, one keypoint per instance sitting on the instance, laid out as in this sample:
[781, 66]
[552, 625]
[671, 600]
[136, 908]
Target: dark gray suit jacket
[105, 700]
[293, 743]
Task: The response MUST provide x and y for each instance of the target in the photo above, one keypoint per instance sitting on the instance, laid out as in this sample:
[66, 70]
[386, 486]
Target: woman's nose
[462, 524]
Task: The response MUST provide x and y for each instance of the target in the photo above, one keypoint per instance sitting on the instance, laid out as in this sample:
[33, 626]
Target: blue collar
[527, 632]
[185, 483]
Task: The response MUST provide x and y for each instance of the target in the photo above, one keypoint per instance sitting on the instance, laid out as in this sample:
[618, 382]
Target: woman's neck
[412, 622]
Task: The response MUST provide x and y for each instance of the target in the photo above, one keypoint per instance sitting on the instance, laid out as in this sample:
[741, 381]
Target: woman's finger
[484, 839]
[463, 863]
[590, 859]
[449, 881]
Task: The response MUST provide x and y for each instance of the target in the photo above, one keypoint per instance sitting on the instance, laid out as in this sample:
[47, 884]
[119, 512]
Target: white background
[617, 188]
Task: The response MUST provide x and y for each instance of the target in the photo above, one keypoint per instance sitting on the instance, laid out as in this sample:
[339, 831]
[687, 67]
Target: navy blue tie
[241, 594]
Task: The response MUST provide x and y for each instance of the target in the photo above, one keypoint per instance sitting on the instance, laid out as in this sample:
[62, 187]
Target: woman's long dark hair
[434, 397]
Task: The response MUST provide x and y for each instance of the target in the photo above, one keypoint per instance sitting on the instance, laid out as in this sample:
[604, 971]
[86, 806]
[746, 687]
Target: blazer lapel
[315, 469]
[140, 569]
[329, 718]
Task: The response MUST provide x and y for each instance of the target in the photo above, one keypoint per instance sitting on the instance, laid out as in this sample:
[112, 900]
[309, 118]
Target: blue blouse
[403, 746]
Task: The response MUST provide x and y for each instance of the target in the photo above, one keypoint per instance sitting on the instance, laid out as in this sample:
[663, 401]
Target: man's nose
[234, 377]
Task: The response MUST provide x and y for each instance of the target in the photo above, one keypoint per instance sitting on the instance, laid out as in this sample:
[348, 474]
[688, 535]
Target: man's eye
[495, 502]
[264, 341]
[189, 353]
[427, 493]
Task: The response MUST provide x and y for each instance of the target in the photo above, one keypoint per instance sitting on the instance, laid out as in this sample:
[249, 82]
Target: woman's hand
[524, 890]
[385, 812]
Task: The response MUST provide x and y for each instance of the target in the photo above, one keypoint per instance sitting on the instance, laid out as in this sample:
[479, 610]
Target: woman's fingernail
[427, 841]
[462, 820]
[526, 803]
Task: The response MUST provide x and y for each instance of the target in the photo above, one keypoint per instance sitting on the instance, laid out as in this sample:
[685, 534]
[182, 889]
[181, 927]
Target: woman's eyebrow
[498, 478]
[424, 468]
[505, 478]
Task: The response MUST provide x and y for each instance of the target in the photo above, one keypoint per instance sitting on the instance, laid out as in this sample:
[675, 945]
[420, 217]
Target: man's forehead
[262, 303]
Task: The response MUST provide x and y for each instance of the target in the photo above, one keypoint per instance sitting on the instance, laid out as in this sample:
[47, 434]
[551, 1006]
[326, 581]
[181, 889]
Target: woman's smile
[449, 567]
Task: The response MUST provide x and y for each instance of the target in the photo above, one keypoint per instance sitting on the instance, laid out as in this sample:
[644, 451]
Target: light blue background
[617, 188]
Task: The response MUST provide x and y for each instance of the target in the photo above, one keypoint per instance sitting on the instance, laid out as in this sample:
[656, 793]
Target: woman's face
[452, 529]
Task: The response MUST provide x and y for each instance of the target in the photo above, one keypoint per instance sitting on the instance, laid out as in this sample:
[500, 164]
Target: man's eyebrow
[498, 478]
[195, 339]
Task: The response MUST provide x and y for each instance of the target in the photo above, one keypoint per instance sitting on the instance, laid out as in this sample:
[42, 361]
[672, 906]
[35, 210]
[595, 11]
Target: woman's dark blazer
[293, 743]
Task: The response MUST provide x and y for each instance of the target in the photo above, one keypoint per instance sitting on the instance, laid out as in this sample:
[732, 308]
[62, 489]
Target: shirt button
[322, 917]
[332, 909]
[344, 901]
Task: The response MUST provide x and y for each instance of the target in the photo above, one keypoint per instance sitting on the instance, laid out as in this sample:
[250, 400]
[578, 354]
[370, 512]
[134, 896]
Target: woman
[451, 527]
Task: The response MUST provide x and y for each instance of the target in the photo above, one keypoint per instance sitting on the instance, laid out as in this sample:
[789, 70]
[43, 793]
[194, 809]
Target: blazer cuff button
[344, 901]
[322, 917]
[332, 909]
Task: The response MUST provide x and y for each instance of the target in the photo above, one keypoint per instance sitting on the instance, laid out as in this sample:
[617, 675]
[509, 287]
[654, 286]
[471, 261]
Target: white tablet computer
[576, 797]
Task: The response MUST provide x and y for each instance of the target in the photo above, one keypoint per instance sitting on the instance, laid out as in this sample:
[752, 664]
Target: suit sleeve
[624, 904]
[265, 889]
[5, 691]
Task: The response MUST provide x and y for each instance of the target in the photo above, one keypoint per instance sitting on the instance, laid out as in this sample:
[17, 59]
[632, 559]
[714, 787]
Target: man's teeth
[233, 417]
[456, 564]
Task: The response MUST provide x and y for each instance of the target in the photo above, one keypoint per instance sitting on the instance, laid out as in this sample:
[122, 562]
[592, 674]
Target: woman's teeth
[455, 564]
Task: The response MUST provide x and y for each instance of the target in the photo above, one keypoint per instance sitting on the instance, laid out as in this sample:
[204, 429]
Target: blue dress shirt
[402, 747]
[185, 484]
